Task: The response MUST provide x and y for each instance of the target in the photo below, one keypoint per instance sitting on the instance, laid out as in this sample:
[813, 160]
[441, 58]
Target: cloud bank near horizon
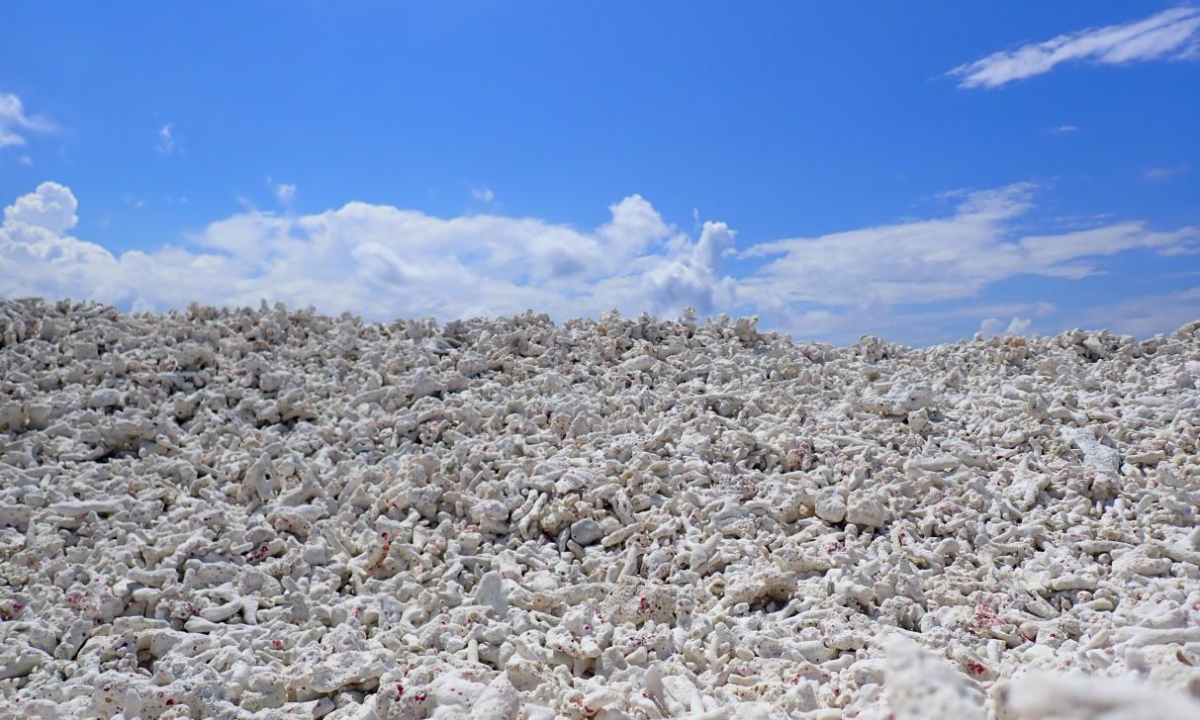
[384, 262]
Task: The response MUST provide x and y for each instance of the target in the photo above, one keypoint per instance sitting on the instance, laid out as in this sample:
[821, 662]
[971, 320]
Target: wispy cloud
[1170, 34]
[1082, 222]
[166, 143]
[856, 278]
[483, 194]
[1064, 129]
[15, 123]
[1164, 173]
[1145, 315]
[285, 193]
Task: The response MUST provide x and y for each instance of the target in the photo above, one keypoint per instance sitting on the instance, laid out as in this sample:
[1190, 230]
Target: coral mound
[270, 514]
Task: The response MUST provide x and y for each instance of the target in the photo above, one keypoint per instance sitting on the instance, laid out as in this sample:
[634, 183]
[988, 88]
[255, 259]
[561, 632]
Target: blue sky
[836, 168]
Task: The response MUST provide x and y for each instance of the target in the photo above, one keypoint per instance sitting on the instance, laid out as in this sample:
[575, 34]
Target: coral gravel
[273, 514]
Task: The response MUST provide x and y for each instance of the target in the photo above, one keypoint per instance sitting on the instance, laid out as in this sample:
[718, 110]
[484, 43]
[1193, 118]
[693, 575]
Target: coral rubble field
[273, 514]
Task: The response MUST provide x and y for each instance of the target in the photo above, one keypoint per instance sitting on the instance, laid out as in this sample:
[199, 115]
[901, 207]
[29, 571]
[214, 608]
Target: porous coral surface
[273, 514]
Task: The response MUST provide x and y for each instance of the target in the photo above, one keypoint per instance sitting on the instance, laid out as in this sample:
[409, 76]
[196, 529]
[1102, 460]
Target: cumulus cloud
[51, 207]
[1170, 34]
[1018, 326]
[376, 260]
[483, 194]
[920, 279]
[14, 122]
[991, 327]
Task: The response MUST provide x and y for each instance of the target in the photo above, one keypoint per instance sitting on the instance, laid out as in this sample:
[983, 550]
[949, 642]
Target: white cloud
[855, 278]
[1018, 326]
[1146, 315]
[1170, 34]
[1064, 129]
[991, 327]
[285, 193]
[483, 194]
[919, 279]
[166, 144]
[378, 261]
[692, 279]
[51, 207]
[943, 259]
[14, 122]
[907, 262]
[1066, 254]
[1164, 173]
